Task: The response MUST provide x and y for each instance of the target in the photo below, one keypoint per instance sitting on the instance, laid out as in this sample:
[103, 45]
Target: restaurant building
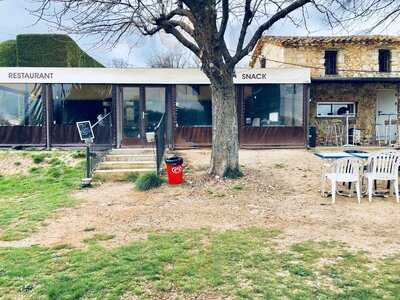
[358, 76]
[40, 106]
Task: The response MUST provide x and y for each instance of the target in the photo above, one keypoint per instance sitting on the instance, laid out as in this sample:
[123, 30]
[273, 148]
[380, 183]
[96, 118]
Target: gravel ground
[280, 191]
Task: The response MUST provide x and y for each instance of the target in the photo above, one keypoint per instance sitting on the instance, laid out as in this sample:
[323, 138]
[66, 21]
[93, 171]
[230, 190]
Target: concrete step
[132, 151]
[118, 165]
[118, 175]
[130, 157]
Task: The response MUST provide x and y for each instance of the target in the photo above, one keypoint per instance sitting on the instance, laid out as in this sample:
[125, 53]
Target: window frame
[263, 62]
[352, 115]
[24, 111]
[65, 104]
[331, 61]
[176, 101]
[385, 66]
[303, 113]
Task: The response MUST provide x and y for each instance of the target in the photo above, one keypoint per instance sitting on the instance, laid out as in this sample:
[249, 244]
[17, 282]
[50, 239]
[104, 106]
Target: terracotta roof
[293, 41]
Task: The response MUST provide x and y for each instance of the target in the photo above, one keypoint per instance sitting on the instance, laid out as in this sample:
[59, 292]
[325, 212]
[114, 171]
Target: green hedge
[8, 55]
[45, 50]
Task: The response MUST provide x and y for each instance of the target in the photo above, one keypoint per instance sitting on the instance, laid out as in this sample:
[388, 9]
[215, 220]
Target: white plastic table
[333, 155]
[337, 155]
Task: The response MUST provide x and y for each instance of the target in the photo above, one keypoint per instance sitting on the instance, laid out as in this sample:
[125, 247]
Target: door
[132, 130]
[143, 108]
[386, 116]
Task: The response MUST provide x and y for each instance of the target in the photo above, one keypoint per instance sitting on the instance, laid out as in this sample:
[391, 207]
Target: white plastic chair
[346, 170]
[383, 166]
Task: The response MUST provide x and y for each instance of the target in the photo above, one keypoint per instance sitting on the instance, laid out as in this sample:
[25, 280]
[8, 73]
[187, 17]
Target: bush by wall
[44, 50]
[148, 181]
[8, 54]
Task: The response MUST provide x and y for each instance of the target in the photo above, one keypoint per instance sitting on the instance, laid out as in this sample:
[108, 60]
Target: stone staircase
[119, 163]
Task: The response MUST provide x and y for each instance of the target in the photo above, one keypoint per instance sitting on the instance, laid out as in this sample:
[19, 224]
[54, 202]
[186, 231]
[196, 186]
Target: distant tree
[119, 63]
[170, 59]
[200, 26]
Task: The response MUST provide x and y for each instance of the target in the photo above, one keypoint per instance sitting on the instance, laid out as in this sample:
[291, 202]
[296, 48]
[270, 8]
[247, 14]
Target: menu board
[85, 130]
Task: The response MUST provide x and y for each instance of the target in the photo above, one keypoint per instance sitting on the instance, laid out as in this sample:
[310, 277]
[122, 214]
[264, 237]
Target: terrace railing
[102, 143]
[160, 142]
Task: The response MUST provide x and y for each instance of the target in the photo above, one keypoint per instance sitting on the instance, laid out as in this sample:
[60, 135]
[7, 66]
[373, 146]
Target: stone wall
[354, 60]
[364, 94]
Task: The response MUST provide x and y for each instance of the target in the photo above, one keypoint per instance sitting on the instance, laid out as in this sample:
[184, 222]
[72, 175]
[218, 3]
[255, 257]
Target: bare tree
[119, 63]
[200, 26]
[170, 59]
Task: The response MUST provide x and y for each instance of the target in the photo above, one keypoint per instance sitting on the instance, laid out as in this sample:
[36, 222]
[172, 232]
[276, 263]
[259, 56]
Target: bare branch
[225, 18]
[248, 14]
[240, 53]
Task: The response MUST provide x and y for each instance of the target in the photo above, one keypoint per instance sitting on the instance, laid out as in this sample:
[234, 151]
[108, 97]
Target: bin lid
[174, 160]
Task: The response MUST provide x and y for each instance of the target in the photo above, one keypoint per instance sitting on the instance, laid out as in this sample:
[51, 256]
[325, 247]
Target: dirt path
[280, 191]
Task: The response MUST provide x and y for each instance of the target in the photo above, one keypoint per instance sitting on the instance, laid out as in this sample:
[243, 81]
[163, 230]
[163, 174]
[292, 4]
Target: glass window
[80, 102]
[384, 60]
[336, 109]
[273, 105]
[21, 105]
[155, 106]
[131, 97]
[193, 105]
[331, 62]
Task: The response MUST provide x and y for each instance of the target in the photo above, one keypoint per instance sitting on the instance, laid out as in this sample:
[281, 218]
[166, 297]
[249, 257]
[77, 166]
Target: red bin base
[175, 174]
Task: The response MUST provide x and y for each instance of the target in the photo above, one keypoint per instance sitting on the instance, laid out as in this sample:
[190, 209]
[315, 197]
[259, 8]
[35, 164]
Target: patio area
[280, 191]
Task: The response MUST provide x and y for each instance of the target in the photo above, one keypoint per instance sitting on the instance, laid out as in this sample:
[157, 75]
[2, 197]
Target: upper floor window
[384, 60]
[263, 62]
[331, 62]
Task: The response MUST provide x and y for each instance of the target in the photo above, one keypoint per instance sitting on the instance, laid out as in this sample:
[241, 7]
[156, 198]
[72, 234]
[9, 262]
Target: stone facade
[358, 78]
[357, 56]
[364, 94]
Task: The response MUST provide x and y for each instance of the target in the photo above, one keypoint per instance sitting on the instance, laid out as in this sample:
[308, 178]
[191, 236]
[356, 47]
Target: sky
[15, 19]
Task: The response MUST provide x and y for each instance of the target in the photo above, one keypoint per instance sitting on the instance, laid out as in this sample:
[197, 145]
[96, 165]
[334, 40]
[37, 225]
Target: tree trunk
[225, 138]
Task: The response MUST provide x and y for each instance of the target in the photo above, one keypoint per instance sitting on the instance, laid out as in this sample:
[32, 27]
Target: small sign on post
[85, 131]
[86, 134]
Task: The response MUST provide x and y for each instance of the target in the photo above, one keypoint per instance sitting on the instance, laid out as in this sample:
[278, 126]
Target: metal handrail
[160, 142]
[160, 122]
[98, 149]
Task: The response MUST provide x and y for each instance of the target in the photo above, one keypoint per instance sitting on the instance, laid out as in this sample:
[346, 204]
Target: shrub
[39, 158]
[99, 237]
[54, 172]
[8, 53]
[55, 161]
[17, 163]
[88, 229]
[34, 170]
[148, 181]
[132, 177]
[233, 173]
[33, 51]
[279, 166]
[237, 187]
[78, 154]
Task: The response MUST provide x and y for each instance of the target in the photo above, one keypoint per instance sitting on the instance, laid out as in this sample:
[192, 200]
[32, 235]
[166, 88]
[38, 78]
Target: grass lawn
[242, 264]
[28, 199]
[236, 264]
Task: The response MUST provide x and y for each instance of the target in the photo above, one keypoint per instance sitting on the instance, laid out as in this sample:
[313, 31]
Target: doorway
[386, 116]
[142, 109]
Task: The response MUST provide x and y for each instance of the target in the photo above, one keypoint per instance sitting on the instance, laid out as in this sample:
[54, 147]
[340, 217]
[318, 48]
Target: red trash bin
[174, 169]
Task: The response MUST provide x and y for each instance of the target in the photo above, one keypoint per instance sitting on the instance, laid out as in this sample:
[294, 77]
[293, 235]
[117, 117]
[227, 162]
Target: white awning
[147, 75]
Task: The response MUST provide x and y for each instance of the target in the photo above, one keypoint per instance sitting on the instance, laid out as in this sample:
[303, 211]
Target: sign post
[86, 134]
